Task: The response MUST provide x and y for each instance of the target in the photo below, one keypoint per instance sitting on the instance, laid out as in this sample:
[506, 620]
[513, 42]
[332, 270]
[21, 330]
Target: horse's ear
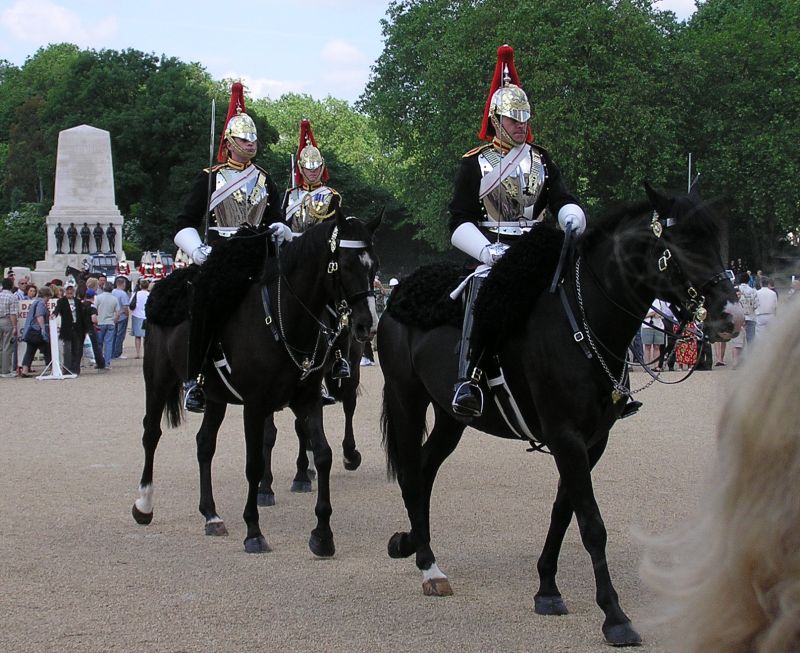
[661, 203]
[372, 225]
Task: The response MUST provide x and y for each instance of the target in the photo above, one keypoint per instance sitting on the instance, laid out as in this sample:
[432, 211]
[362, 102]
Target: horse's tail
[389, 437]
[174, 406]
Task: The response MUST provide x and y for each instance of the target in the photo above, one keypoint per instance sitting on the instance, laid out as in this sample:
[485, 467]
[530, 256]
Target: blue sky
[319, 47]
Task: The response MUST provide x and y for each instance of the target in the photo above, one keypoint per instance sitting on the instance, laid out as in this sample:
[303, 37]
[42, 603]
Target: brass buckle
[664, 260]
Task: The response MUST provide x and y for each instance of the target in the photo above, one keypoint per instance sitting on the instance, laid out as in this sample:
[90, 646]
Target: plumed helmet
[242, 126]
[237, 125]
[506, 97]
[510, 101]
[310, 158]
[308, 155]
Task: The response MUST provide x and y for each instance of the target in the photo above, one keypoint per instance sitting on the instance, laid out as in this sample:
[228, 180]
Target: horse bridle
[693, 306]
[340, 312]
[694, 303]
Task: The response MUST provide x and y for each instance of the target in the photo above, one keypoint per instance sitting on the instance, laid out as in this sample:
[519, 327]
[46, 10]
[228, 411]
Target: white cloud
[341, 53]
[260, 87]
[41, 21]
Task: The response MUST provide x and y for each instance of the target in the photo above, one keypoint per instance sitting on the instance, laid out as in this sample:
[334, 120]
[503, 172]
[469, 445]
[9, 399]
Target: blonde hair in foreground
[733, 580]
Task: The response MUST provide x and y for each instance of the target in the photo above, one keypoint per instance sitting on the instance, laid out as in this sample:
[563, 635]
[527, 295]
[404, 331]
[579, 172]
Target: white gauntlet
[572, 214]
[189, 241]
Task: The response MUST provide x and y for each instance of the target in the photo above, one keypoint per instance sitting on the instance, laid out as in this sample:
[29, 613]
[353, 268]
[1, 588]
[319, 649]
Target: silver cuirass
[514, 198]
[245, 204]
[308, 207]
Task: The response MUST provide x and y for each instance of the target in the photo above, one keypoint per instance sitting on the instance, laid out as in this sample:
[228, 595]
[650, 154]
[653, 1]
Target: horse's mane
[601, 227]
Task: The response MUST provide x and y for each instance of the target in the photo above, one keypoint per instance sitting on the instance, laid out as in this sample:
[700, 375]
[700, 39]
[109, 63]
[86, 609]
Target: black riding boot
[341, 366]
[194, 399]
[468, 397]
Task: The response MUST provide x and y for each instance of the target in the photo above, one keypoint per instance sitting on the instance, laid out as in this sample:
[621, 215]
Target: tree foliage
[23, 238]
[742, 102]
[620, 91]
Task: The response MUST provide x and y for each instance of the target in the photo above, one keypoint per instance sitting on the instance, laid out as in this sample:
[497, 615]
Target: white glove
[200, 254]
[282, 233]
[189, 241]
[572, 214]
[492, 253]
[469, 239]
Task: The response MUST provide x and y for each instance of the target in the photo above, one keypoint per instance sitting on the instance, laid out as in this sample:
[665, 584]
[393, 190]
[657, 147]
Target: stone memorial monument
[84, 193]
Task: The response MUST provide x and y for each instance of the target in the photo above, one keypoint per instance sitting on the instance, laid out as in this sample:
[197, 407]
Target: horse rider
[309, 203]
[234, 192]
[501, 190]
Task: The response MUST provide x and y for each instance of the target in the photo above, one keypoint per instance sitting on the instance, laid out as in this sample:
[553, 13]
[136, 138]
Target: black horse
[567, 399]
[276, 342]
[344, 391]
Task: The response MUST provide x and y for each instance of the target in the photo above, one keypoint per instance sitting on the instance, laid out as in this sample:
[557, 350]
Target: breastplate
[308, 207]
[246, 204]
[515, 197]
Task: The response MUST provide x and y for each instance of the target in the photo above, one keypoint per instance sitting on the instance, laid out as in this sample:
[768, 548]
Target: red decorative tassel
[505, 57]
[306, 138]
[237, 101]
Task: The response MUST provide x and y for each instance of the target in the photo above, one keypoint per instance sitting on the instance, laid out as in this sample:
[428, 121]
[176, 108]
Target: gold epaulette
[214, 168]
[476, 150]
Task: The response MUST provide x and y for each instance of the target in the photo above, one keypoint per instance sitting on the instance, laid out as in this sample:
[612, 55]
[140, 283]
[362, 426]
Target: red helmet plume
[505, 64]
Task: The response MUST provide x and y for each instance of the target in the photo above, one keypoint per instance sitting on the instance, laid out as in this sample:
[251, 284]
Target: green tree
[740, 61]
[23, 237]
[597, 75]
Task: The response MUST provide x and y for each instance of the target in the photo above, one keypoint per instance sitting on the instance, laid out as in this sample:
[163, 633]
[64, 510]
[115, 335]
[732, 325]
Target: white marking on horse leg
[310, 455]
[214, 520]
[144, 503]
[432, 572]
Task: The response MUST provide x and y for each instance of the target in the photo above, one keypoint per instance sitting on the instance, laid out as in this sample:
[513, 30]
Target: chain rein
[695, 306]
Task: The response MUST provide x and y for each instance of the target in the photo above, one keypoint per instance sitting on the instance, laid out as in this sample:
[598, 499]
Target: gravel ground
[78, 574]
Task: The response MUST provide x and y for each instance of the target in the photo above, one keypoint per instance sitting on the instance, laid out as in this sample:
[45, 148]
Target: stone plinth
[84, 193]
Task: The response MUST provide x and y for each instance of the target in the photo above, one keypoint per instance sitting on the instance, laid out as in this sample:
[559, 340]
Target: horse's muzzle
[731, 323]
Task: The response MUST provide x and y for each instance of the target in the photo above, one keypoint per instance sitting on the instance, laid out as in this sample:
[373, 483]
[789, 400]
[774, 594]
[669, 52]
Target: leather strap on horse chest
[577, 334]
[268, 314]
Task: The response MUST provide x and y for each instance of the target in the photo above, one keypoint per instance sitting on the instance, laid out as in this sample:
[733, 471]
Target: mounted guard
[310, 202]
[233, 193]
[501, 190]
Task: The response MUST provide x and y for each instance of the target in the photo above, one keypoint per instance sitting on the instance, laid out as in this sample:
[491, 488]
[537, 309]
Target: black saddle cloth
[219, 285]
[506, 297]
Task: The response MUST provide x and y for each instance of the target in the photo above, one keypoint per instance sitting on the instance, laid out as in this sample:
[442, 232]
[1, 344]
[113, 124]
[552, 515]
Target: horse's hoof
[437, 587]
[320, 546]
[143, 518]
[549, 605]
[256, 545]
[301, 486]
[400, 546]
[352, 461]
[622, 635]
[216, 528]
[265, 499]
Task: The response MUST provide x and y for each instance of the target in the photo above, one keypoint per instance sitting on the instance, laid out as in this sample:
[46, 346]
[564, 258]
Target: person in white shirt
[767, 306]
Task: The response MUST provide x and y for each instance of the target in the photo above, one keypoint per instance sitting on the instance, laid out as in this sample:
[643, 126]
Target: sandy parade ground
[78, 574]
